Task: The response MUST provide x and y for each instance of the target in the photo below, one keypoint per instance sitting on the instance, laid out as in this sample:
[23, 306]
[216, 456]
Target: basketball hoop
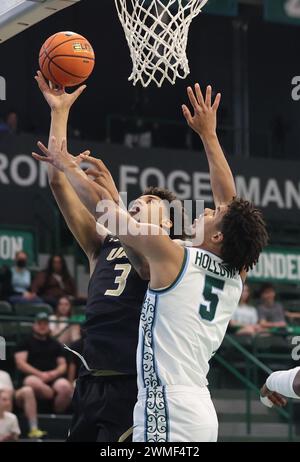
[157, 34]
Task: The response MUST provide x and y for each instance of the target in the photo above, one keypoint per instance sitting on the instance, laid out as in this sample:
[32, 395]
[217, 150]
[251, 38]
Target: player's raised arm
[204, 123]
[80, 222]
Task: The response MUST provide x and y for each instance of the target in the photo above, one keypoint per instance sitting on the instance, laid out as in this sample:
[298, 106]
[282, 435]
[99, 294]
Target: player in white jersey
[192, 292]
[280, 385]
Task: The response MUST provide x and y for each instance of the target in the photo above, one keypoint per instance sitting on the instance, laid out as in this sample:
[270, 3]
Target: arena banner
[221, 7]
[14, 240]
[284, 11]
[278, 265]
[274, 186]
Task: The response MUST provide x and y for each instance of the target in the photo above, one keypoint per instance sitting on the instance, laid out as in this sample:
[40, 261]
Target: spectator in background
[42, 361]
[59, 327]
[25, 399]
[245, 318]
[54, 282]
[12, 122]
[270, 313]
[10, 125]
[21, 281]
[9, 425]
[5, 283]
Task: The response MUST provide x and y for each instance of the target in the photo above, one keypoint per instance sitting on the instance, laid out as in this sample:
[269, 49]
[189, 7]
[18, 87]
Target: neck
[1, 413]
[210, 248]
[40, 337]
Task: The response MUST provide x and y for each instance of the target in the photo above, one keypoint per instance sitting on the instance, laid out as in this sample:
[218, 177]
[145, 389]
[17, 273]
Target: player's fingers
[199, 95]
[40, 158]
[43, 148]
[92, 172]
[277, 400]
[280, 399]
[84, 155]
[208, 96]
[41, 81]
[217, 102]
[78, 92]
[193, 100]
[187, 114]
[97, 163]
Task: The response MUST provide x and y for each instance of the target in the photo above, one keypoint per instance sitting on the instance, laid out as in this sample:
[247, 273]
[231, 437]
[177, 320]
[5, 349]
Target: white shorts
[175, 413]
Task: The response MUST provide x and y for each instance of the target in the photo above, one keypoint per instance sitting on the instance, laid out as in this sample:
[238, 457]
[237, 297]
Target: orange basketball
[67, 59]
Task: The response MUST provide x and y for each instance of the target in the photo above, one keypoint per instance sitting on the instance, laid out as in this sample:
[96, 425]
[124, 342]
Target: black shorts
[103, 408]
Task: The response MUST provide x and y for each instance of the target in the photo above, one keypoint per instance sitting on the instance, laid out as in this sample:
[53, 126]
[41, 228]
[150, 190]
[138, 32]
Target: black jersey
[115, 298]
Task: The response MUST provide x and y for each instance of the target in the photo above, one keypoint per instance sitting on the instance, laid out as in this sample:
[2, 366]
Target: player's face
[149, 209]
[211, 220]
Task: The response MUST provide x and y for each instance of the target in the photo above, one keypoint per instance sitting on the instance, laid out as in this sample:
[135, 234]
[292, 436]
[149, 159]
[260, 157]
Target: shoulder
[9, 416]
[25, 344]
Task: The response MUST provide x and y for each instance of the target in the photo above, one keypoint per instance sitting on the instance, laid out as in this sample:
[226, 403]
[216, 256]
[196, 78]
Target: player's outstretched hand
[204, 120]
[57, 98]
[273, 397]
[59, 156]
[102, 176]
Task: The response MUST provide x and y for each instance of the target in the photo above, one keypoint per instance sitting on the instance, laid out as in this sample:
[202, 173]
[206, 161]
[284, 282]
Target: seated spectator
[42, 361]
[25, 399]
[59, 327]
[5, 283]
[270, 313]
[21, 281]
[9, 425]
[245, 317]
[54, 282]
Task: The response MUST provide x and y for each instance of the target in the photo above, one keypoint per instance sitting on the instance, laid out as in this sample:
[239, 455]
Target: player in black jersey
[106, 391]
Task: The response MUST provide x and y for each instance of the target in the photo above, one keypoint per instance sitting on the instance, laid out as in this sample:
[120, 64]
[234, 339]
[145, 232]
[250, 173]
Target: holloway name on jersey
[115, 297]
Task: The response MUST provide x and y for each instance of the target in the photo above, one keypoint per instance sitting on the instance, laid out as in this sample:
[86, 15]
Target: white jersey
[183, 326]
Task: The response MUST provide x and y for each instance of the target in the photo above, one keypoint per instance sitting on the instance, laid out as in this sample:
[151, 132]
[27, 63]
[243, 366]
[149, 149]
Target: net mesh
[157, 35]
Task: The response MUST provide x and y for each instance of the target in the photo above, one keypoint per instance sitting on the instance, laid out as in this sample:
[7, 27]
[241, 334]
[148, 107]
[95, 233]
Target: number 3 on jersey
[120, 280]
[210, 294]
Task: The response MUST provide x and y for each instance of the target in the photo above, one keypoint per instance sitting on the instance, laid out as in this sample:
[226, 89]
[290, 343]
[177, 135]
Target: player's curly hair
[244, 235]
[176, 211]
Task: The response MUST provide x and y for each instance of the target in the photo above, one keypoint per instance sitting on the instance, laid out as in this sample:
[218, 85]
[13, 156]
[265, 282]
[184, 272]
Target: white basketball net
[157, 34]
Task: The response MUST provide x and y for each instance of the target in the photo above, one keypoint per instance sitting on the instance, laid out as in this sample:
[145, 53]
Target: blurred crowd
[42, 374]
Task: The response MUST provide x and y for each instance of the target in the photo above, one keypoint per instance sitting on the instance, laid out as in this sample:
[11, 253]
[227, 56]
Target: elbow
[296, 384]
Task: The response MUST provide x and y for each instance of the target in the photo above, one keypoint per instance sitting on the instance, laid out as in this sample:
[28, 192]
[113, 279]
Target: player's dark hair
[177, 209]
[244, 235]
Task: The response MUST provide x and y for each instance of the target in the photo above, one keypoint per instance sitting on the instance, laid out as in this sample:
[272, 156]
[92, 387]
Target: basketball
[66, 59]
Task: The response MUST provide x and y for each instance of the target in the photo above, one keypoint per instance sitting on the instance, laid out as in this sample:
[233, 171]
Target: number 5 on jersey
[212, 288]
